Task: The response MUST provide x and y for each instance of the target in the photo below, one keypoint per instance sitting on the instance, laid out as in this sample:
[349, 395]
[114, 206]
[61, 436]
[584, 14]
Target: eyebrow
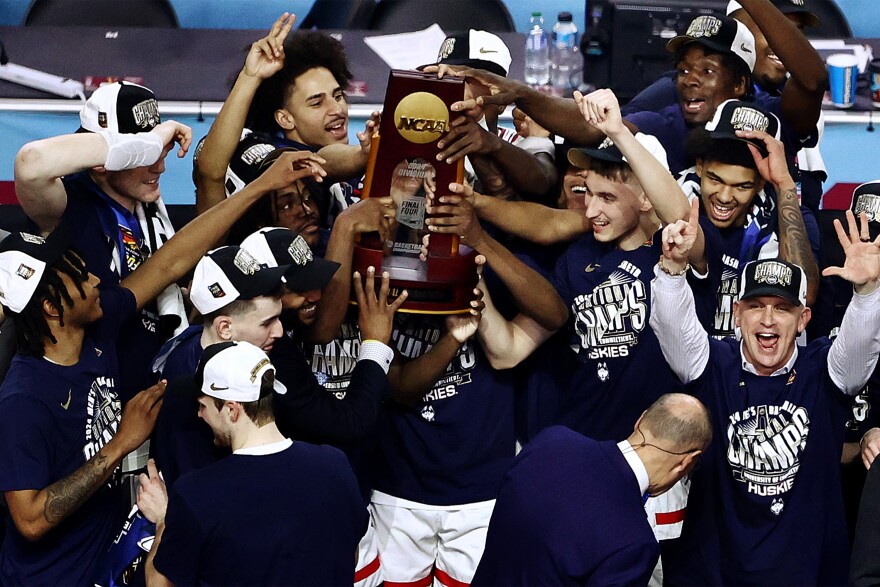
[713, 175]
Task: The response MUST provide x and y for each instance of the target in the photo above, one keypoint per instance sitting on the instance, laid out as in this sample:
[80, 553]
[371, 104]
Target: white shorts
[369, 567]
[666, 511]
[421, 544]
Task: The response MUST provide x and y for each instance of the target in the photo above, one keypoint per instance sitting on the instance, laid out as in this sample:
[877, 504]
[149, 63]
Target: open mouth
[722, 213]
[774, 59]
[694, 106]
[767, 341]
[338, 128]
[308, 311]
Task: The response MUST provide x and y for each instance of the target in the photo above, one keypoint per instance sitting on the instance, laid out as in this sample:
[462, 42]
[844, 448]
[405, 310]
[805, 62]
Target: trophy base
[443, 286]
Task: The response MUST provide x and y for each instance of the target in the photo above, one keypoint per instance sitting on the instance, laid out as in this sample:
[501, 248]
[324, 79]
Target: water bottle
[566, 62]
[537, 69]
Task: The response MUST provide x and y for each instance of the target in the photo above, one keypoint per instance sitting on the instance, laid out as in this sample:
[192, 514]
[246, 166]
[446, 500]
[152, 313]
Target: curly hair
[32, 329]
[304, 50]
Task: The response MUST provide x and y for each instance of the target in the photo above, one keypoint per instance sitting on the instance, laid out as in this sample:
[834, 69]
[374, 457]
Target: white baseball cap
[228, 274]
[233, 371]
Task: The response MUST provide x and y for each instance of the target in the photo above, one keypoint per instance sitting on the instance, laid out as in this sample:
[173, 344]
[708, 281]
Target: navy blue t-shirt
[53, 419]
[766, 508]
[621, 370]
[96, 232]
[569, 513]
[453, 446]
[288, 518]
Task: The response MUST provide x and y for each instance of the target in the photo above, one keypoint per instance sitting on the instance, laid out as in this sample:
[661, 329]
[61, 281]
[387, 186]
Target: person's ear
[285, 119]
[804, 319]
[699, 167]
[223, 327]
[235, 410]
[49, 309]
[736, 313]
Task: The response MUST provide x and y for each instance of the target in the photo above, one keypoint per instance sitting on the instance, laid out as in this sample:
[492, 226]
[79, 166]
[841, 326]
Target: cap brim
[772, 291]
[581, 158]
[680, 41]
[263, 282]
[719, 136]
[314, 275]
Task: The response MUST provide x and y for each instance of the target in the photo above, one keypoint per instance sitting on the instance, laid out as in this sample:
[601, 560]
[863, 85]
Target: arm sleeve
[682, 339]
[26, 445]
[853, 354]
[308, 408]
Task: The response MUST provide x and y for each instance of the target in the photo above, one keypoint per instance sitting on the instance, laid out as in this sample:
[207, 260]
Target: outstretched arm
[534, 296]
[794, 245]
[853, 354]
[601, 110]
[534, 222]
[264, 59]
[36, 511]
[559, 116]
[802, 94]
[180, 254]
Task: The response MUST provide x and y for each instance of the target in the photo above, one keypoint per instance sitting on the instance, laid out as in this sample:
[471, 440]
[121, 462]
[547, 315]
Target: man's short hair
[261, 412]
[241, 307]
[682, 421]
[303, 50]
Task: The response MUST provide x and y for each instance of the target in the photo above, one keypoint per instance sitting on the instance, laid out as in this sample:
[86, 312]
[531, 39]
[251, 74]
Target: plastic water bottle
[537, 68]
[566, 65]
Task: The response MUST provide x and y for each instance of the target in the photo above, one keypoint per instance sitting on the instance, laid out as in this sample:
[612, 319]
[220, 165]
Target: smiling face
[769, 326]
[140, 184]
[703, 82]
[769, 71]
[615, 210]
[315, 111]
[727, 191]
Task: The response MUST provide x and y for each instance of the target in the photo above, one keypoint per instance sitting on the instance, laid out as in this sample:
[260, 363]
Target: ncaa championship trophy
[403, 165]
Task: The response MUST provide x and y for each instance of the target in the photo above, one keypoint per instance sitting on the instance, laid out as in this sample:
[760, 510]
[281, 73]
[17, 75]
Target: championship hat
[797, 7]
[866, 198]
[233, 371]
[608, 151]
[276, 246]
[121, 107]
[228, 274]
[720, 33]
[736, 115]
[774, 277]
[246, 164]
[477, 49]
[23, 261]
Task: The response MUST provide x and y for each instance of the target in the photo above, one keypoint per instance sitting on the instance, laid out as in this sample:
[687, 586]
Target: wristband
[676, 273]
[127, 151]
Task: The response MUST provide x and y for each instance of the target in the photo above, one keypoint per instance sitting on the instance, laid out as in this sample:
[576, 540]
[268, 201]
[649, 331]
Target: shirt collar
[266, 449]
[635, 463]
[789, 365]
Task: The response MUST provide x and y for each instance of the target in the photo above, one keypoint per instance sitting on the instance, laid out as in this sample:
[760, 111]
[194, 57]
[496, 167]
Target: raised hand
[152, 495]
[601, 110]
[172, 132]
[463, 326]
[773, 167]
[266, 56]
[290, 167]
[526, 127]
[502, 90]
[376, 315]
[862, 265]
[679, 238]
[365, 137]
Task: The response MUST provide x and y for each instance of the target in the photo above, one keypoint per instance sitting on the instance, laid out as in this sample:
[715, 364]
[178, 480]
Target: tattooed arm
[36, 511]
[794, 245]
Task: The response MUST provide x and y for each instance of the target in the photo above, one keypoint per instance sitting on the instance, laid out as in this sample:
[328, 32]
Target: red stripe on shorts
[444, 578]
[671, 517]
[420, 583]
[364, 572]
